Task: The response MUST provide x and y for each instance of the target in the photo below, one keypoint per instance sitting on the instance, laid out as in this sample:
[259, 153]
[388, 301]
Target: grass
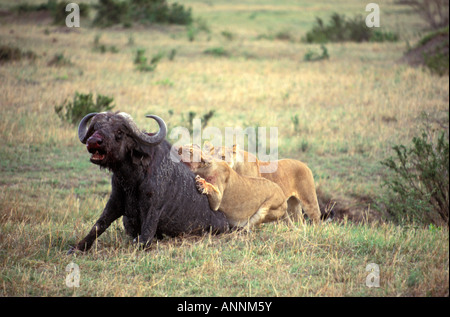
[50, 195]
[327, 260]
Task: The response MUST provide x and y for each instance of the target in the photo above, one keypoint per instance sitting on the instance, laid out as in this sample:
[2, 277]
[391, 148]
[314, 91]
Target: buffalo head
[113, 138]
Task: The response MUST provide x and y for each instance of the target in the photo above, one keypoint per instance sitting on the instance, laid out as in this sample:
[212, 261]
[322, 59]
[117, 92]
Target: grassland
[351, 109]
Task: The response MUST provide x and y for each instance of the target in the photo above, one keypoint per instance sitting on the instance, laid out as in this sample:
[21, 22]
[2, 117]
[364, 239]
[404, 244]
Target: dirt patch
[42, 17]
[437, 44]
[432, 51]
[356, 210]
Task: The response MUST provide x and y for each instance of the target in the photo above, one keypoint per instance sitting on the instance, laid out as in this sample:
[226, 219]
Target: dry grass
[351, 109]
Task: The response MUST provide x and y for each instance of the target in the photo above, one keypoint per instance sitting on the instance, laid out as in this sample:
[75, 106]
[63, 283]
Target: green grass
[326, 260]
[349, 110]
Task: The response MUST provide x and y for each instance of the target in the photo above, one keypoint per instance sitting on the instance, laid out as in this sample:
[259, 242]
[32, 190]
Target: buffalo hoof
[72, 250]
[141, 245]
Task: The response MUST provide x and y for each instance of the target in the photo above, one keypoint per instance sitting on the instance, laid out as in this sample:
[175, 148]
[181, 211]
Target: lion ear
[206, 158]
[208, 147]
[235, 148]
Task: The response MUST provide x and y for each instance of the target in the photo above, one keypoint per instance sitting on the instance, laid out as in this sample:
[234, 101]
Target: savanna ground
[351, 109]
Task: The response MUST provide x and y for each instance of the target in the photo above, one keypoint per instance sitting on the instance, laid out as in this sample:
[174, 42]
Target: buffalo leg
[100, 226]
[148, 229]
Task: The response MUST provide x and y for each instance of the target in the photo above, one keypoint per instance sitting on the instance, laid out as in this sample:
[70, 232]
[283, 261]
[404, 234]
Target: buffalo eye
[119, 135]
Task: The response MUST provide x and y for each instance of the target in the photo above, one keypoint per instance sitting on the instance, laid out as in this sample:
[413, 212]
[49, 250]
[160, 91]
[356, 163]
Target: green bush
[82, 104]
[216, 51]
[141, 61]
[26, 7]
[378, 36]
[312, 56]
[59, 14]
[341, 29]
[419, 186]
[179, 15]
[111, 12]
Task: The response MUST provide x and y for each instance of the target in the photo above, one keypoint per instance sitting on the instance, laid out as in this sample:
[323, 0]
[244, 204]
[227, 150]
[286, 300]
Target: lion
[245, 201]
[292, 176]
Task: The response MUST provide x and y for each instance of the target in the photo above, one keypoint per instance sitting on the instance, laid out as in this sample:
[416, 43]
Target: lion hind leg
[258, 217]
[294, 209]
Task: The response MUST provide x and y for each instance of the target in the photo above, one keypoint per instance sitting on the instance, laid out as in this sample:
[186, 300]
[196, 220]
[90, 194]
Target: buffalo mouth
[98, 155]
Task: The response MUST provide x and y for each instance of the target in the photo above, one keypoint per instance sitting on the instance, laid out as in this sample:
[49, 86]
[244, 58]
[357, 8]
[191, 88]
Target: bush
[378, 36]
[59, 14]
[26, 7]
[141, 61]
[216, 51]
[341, 29]
[82, 104]
[178, 15]
[111, 12]
[420, 184]
[312, 56]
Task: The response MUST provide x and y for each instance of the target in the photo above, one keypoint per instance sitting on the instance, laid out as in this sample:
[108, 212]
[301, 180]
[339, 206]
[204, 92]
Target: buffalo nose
[94, 141]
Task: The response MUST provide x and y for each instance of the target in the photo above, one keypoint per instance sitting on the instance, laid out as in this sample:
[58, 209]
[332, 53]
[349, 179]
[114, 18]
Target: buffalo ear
[140, 158]
[141, 153]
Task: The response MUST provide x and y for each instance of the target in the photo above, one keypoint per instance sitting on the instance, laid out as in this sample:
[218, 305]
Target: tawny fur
[294, 178]
[245, 201]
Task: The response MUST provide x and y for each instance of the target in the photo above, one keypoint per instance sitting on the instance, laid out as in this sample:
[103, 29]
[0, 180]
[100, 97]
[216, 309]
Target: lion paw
[200, 183]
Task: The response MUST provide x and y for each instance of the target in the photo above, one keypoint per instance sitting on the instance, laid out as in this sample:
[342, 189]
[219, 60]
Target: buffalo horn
[83, 128]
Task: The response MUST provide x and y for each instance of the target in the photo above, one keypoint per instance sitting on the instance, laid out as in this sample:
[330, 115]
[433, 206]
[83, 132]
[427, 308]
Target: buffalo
[155, 194]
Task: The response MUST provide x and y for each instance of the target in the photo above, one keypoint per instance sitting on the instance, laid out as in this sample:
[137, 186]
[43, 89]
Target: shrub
[111, 12]
[378, 36]
[26, 7]
[216, 51]
[420, 185]
[312, 56]
[141, 61]
[59, 14]
[341, 29]
[82, 104]
[179, 15]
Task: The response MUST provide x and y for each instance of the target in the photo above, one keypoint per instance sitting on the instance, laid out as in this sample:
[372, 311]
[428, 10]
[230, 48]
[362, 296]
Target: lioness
[245, 201]
[294, 177]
